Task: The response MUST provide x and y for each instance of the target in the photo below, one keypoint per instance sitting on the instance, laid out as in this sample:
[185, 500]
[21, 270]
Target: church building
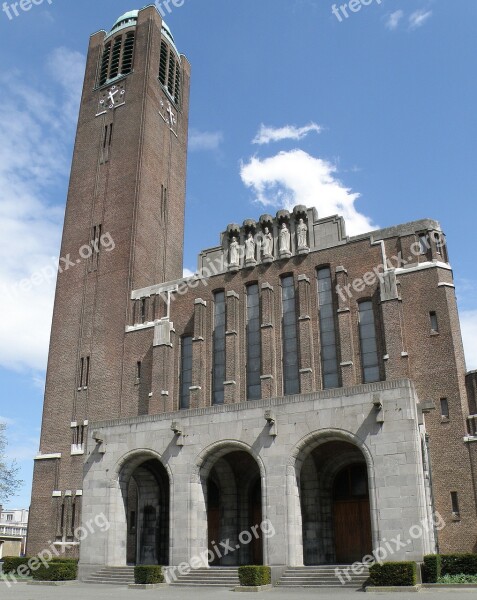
[301, 401]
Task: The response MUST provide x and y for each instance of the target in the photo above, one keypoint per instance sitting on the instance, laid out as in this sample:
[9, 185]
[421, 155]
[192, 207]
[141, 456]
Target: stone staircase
[113, 576]
[226, 577]
[322, 576]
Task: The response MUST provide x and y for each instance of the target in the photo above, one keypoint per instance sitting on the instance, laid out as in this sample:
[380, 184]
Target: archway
[144, 484]
[335, 506]
[231, 484]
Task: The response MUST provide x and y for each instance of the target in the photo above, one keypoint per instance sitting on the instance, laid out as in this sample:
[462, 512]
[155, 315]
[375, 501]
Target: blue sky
[372, 116]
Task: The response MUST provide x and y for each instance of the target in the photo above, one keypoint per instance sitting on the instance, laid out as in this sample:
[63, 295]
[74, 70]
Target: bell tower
[123, 230]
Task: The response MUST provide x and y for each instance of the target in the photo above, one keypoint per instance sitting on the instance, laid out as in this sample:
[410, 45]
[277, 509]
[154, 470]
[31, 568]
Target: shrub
[459, 564]
[65, 560]
[393, 574]
[455, 579]
[251, 576]
[432, 567]
[148, 574]
[11, 563]
[57, 570]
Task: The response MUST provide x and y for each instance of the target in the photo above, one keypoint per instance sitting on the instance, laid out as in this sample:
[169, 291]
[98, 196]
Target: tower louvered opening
[163, 63]
[118, 57]
[170, 72]
[103, 77]
[128, 54]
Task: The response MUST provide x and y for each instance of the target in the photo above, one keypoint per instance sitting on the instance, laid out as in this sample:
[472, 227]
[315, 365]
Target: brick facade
[125, 316]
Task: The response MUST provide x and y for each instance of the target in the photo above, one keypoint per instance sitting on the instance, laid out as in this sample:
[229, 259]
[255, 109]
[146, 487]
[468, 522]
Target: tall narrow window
[163, 63]
[369, 346]
[329, 350]
[455, 503]
[218, 371]
[128, 53]
[254, 352]
[143, 310]
[138, 371]
[163, 202]
[177, 86]
[103, 76]
[86, 378]
[171, 75]
[424, 243]
[291, 376]
[434, 322]
[73, 516]
[186, 371]
[444, 408]
[116, 55]
[81, 373]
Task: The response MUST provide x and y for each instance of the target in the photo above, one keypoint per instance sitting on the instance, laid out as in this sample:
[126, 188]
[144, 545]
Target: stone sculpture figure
[302, 233]
[234, 252]
[284, 239]
[250, 248]
[267, 244]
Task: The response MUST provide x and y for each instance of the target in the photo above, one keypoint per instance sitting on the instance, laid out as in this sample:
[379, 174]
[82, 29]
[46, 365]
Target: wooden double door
[352, 528]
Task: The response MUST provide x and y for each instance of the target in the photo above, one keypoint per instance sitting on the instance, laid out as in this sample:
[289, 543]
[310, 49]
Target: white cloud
[37, 128]
[468, 320]
[418, 18]
[187, 272]
[393, 20]
[266, 134]
[295, 177]
[204, 140]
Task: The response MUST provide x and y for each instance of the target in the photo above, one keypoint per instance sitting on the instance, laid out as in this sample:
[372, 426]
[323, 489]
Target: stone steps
[213, 577]
[112, 576]
[321, 576]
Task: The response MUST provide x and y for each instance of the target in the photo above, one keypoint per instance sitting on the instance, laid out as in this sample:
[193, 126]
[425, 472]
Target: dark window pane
[329, 353]
[290, 339]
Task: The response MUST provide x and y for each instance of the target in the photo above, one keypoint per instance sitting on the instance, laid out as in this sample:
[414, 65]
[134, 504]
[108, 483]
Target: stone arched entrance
[144, 484]
[332, 475]
[334, 496]
[231, 493]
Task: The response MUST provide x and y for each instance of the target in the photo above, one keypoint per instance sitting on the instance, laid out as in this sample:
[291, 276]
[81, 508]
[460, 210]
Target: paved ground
[78, 591]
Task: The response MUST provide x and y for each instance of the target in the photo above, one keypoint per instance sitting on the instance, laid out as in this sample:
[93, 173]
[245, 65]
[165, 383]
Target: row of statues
[267, 244]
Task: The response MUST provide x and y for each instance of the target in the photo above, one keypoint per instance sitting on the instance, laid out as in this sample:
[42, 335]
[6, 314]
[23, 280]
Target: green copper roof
[129, 19]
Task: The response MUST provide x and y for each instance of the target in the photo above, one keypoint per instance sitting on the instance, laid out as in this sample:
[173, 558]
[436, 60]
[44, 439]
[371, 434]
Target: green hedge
[436, 566]
[254, 576]
[74, 561]
[459, 564]
[432, 568]
[56, 571]
[11, 563]
[148, 574]
[393, 574]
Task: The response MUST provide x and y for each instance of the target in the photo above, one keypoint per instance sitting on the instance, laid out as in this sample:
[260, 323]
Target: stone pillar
[269, 363]
[345, 329]
[162, 387]
[199, 357]
[305, 336]
[396, 358]
[232, 350]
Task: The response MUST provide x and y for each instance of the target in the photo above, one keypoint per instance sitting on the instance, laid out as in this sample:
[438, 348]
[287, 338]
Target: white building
[13, 531]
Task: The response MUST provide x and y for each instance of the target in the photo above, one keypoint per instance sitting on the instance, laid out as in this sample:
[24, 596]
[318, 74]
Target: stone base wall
[296, 426]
